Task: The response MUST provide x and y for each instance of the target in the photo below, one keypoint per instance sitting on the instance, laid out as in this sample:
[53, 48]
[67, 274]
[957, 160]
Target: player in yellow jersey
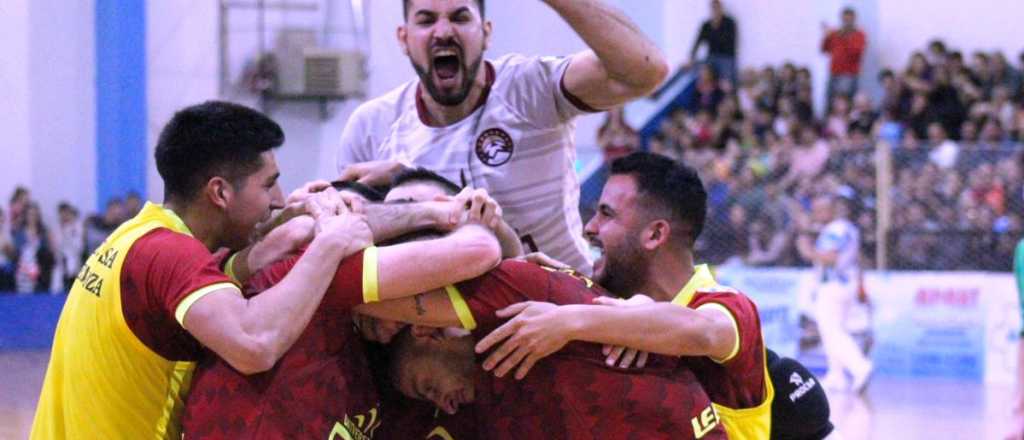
[154, 293]
[650, 214]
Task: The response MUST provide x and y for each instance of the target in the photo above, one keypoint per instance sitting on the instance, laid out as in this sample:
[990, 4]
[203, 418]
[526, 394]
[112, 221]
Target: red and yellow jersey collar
[701, 279]
[152, 211]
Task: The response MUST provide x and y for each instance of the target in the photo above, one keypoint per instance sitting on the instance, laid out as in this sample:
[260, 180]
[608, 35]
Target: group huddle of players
[397, 304]
[420, 377]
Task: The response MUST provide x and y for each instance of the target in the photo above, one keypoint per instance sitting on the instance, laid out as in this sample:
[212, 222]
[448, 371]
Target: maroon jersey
[161, 269]
[739, 381]
[321, 388]
[572, 394]
[411, 419]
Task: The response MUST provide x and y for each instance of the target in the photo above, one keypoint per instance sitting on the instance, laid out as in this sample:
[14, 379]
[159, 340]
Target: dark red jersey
[572, 394]
[321, 388]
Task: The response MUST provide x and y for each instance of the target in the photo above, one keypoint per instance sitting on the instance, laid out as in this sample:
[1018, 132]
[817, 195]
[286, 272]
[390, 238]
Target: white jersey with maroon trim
[519, 145]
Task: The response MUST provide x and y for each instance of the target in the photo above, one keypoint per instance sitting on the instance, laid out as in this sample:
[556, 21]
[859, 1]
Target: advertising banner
[961, 325]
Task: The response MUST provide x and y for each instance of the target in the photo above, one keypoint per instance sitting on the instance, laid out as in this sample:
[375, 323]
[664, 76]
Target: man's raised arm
[623, 64]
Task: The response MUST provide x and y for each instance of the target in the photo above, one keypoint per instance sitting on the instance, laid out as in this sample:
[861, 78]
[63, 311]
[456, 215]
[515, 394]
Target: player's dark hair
[479, 5]
[426, 176]
[367, 192]
[211, 139]
[672, 187]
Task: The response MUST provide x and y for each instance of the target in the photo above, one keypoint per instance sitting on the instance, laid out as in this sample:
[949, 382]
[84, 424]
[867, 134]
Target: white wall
[49, 98]
[15, 94]
[181, 67]
[63, 104]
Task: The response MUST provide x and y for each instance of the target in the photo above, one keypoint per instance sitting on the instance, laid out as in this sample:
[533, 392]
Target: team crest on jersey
[494, 147]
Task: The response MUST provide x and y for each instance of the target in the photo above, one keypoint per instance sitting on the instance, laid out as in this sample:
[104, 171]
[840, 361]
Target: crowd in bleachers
[954, 130]
[37, 258]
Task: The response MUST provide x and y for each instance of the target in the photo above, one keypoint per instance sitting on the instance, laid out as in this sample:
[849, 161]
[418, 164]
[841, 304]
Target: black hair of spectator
[937, 44]
[64, 206]
[673, 185]
[480, 4]
[849, 10]
[211, 139]
[885, 74]
[113, 201]
[19, 192]
[367, 192]
[957, 55]
[426, 176]
[132, 195]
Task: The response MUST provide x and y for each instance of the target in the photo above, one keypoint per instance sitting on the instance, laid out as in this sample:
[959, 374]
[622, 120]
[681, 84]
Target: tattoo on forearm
[388, 220]
[420, 310]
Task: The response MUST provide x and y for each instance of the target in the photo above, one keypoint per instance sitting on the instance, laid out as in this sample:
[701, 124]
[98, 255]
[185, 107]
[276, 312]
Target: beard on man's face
[625, 270]
[458, 95]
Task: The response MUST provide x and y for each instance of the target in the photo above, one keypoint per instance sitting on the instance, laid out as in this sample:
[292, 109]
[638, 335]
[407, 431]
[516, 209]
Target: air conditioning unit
[291, 45]
[333, 72]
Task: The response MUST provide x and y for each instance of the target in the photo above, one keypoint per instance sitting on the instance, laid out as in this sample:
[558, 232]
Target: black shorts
[800, 409]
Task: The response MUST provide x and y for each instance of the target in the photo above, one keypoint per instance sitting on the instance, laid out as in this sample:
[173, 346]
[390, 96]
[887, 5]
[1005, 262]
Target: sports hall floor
[892, 409]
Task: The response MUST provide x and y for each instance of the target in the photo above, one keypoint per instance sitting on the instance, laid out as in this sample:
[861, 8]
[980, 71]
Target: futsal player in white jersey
[505, 125]
[835, 254]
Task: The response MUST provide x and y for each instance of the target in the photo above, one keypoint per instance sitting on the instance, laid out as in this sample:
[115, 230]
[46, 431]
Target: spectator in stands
[19, 201]
[846, 46]
[765, 243]
[937, 53]
[809, 157]
[132, 205]
[72, 243]
[862, 115]
[1004, 75]
[616, 137]
[7, 256]
[895, 97]
[838, 121]
[943, 150]
[719, 34]
[34, 252]
[98, 228]
[969, 132]
[708, 93]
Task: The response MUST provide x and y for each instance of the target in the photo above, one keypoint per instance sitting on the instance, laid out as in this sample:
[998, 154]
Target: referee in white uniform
[505, 125]
[835, 255]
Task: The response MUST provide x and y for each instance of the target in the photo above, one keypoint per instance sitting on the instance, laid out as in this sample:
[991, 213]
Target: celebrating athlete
[505, 125]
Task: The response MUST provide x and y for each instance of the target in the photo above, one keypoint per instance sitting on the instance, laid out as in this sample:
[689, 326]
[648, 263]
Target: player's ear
[656, 234]
[487, 28]
[402, 33]
[219, 192]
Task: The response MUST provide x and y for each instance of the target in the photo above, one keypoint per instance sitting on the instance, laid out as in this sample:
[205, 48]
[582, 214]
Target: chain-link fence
[954, 207]
[939, 207]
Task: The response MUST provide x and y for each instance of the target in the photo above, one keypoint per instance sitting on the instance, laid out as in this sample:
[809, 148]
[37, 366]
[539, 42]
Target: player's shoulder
[515, 65]
[726, 295]
[389, 106]
[166, 242]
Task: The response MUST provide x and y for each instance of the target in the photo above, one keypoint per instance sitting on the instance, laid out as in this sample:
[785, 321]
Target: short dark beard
[427, 76]
[625, 273]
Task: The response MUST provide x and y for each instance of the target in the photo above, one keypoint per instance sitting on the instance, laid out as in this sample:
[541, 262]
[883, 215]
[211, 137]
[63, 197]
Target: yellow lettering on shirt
[704, 423]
